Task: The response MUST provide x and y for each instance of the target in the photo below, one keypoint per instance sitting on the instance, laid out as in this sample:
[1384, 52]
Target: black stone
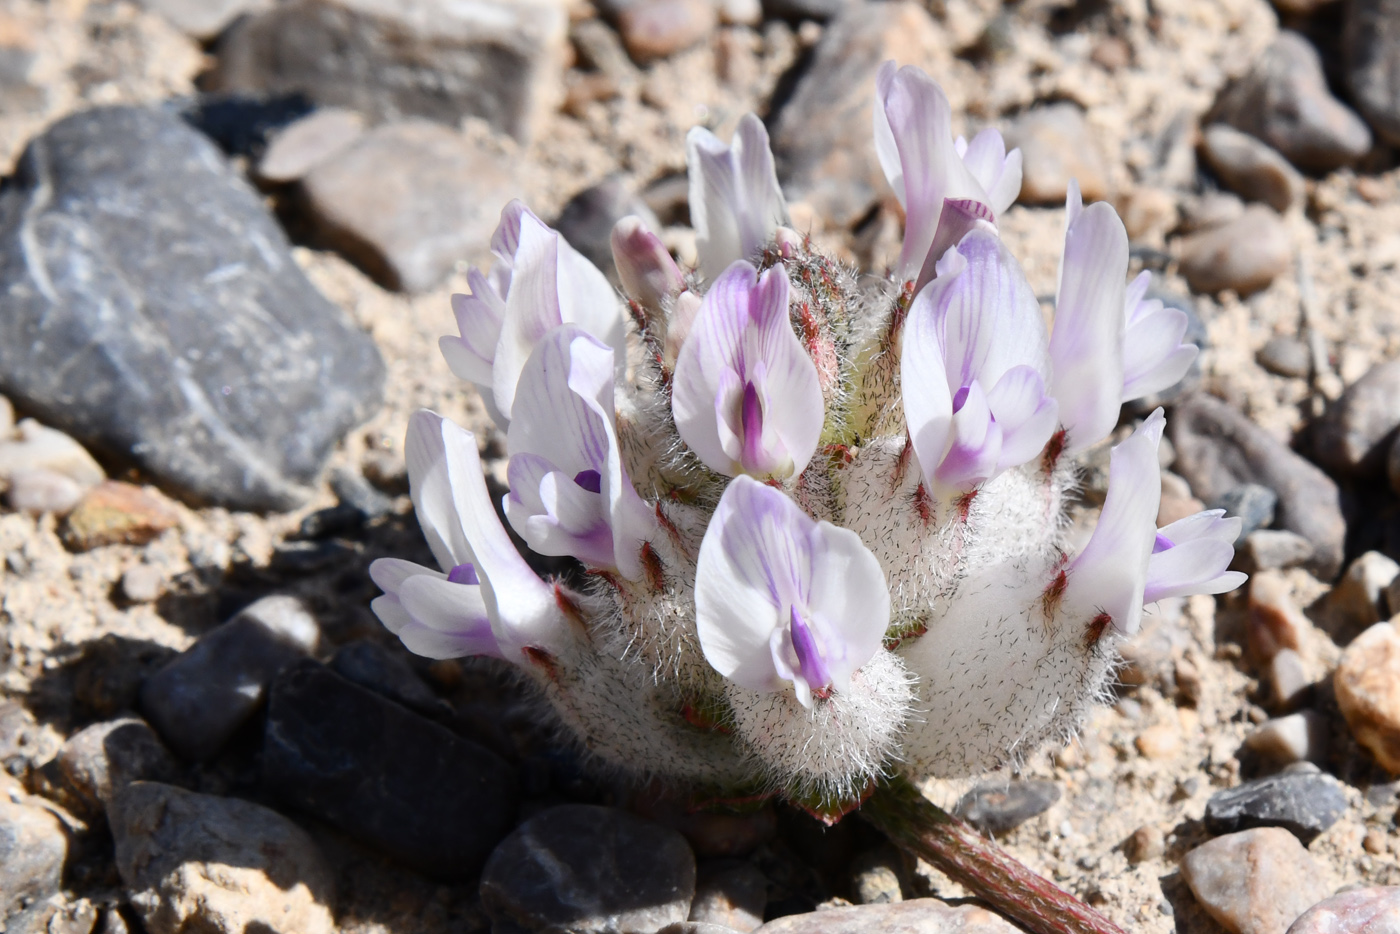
[1252, 503]
[998, 807]
[1303, 803]
[154, 312]
[242, 124]
[584, 867]
[371, 665]
[383, 774]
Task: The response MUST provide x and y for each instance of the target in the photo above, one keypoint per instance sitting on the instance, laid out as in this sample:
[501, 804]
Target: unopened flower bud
[646, 269]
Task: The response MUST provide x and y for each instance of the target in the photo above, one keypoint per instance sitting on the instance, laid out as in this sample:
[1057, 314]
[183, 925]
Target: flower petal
[648, 274]
[1154, 357]
[451, 619]
[742, 335]
[1108, 577]
[976, 441]
[924, 382]
[1196, 557]
[996, 170]
[735, 202]
[479, 316]
[1027, 416]
[430, 487]
[1086, 344]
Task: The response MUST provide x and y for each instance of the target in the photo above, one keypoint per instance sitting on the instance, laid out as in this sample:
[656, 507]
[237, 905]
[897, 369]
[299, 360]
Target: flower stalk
[925, 830]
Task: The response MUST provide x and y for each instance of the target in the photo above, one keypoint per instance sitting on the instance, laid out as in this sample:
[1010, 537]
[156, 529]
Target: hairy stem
[923, 828]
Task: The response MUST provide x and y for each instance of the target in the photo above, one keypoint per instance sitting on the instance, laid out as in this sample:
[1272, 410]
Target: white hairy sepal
[828, 755]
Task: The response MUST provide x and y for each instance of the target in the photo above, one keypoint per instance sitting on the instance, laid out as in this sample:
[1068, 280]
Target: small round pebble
[1145, 843]
[39, 490]
[1245, 254]
[1286, 356]
[143, 583]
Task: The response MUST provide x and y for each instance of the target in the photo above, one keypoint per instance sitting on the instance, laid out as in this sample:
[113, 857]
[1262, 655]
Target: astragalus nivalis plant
[822, 523]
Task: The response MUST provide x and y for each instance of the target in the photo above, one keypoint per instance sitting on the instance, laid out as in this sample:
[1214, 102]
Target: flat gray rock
[153, 311]
[589, 870]
[1303, 803]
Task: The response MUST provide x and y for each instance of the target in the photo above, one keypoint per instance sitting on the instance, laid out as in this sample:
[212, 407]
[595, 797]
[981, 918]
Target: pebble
[1284, 101]
[1256, 881]
[384, 775]
[587, 220]
[39, 491]
[654, 29]
[1146, 843]
[821, 136]
[56, 916]
[586, 868]
[33, 847]
[436, 59]
[1371, 44]
[306, 143]
[731, 894]
[1359, 599]
[1245, 254]
[1218, 448]
[1275, 622]
[875, 877]
[202, 19]
[1148, 213]
[39, 447]
[711, 832]
[1253, 503]
[100, 760]
[924, 915]
[1288, 679]
[371, 665]
[1298, 737]
[997, 807]
[157, 252]
[407, 201]
[1159, 742]
[194, 862]
[1286, 356]
[143, 583]
[198, 700]
[1303, 803]
[1355, 434]
[1367, 682]
[1210, 209]
[117, 513]
[1057, 148]
[1273, 549]
[1372, 910]
[1250, 168]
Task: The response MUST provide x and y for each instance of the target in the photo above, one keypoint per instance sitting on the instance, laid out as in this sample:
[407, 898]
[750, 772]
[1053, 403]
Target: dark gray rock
[1371, 59]
[1253, 503]
[998, 807]
[821, 10]
[1284, 101]
[1218, 449]
[371, 665]
[1304, 803]
[1354, 435]
[409, 58]
[1392, 464]
[821, 136]
[385, 775]
[154, 311]
[1286, 356]
[200, 698]
[33, 847]
[98, 761]
[588, 869]
[587, 221]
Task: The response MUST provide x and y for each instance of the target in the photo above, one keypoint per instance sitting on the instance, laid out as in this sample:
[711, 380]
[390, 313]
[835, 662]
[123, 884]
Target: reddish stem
[924, 829]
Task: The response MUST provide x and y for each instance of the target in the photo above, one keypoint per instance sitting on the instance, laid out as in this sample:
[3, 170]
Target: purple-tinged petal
[505, 241]
[1154, 357]
[521, 607]
[1027, 416]
[914, 140]
[479, 315]
[648, 274]
[1196, 559]
[958, 219]
[782, 598]
[1086, 344]
[996, 170]
[976, 441]
[1109, 576]
[564, 429]
[742, 347]
[735, 202]
[924, 379]
[448, 620]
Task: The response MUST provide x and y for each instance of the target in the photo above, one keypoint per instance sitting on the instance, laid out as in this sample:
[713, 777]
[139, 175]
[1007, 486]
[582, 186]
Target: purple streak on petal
[648, 274]
[972, 457]
[590, 480]
[751, 418]
[1162, 544]
[464, 574]
[811, 664]
[959, 218]
[960, 398]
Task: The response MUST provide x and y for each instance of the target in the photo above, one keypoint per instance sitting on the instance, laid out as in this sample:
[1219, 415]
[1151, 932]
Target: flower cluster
[821, 526]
